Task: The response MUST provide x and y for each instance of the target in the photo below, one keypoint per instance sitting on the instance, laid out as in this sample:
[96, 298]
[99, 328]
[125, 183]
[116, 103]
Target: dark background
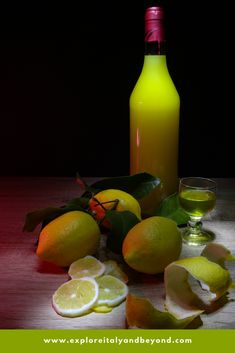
[66, 75]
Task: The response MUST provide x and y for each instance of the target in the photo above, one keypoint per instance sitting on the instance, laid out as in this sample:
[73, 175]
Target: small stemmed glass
[197, 197]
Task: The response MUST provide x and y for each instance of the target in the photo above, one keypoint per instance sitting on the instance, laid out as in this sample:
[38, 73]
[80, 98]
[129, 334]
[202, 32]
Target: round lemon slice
[112, 291]
[76, 297]
[88, 266]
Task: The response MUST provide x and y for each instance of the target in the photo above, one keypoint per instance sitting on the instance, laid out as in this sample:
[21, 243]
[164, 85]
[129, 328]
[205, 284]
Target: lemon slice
[181, 301]
[75, 297]
[88, 266]
[112, 291]
[142, 314]
[113, 269]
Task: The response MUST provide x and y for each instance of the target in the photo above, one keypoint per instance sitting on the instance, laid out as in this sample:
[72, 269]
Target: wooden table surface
[27, 284]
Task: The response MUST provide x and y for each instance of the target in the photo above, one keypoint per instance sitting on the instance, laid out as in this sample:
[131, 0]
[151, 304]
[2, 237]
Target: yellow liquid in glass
[154, 127]
[197, 202]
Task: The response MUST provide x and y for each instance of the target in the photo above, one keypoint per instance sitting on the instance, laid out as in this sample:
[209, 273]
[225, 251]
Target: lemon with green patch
[152, 244]
[68, 237]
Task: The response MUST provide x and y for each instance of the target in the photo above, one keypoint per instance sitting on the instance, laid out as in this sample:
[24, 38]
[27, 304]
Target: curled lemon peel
[217, 253]
[142, 314]
[181, 301]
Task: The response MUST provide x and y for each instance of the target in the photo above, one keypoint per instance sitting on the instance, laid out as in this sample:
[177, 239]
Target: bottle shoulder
[155, 85]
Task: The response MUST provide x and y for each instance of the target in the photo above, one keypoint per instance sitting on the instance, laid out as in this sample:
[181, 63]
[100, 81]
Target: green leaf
[79, 203]
[121, 223]
[36, 217]
[170, 208]
[46, 215]
[137, 185]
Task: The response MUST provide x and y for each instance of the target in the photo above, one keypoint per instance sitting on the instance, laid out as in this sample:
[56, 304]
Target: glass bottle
[154, 114]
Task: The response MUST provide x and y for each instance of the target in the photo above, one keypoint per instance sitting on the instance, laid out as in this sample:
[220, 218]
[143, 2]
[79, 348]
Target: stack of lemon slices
[94, 286]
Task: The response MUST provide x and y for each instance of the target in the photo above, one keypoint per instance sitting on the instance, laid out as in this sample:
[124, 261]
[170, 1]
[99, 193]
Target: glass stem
[195, 225]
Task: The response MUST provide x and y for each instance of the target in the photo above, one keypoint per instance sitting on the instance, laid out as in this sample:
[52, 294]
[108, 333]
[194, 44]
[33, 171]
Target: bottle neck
[155, 64]
[155, 48]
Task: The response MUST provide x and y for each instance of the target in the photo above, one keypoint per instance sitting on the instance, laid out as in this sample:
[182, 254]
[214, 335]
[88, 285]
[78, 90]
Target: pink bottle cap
[154, 29]
[154, 13]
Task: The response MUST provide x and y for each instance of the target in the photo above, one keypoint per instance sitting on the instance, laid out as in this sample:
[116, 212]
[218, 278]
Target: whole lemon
[116, 199]
[152, 244]
[68, 237]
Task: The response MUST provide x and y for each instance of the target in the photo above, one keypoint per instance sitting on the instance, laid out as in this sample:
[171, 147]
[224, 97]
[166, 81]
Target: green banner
[116, 341]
